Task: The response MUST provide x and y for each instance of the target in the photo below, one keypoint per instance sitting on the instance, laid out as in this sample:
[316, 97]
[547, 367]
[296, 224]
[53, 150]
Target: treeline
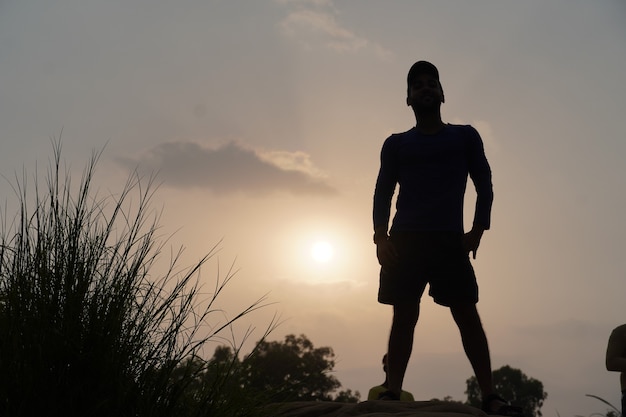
[274, 372]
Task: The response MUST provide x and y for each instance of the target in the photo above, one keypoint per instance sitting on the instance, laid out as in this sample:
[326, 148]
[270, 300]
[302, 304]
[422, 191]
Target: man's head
[422, 74]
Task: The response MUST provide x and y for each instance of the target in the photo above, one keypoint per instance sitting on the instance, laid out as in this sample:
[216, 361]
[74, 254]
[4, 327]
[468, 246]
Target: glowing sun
[322, 251]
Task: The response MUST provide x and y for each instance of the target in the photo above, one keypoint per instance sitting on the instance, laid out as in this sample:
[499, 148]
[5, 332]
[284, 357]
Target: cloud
[291, 161]
[231, 168]
[315, 21]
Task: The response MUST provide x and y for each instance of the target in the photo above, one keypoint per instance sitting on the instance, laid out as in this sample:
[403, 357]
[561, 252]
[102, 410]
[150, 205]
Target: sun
[322, 251]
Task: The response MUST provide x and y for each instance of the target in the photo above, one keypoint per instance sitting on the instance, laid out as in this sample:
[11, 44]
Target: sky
[263, 121]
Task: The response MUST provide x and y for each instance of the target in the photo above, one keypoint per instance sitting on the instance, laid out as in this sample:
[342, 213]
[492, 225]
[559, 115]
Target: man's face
[425, 93]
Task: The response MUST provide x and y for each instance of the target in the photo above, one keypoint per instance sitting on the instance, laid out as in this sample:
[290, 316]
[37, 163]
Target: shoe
[505, 409]
[388, 396]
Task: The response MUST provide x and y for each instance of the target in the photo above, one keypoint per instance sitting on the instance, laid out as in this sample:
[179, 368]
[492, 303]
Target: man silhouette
[426, 243]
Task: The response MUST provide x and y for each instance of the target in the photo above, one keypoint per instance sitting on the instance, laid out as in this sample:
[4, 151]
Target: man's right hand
[386, 252]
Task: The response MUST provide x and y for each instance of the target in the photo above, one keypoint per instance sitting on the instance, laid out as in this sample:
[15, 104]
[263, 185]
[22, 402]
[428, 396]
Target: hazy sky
[265, 118]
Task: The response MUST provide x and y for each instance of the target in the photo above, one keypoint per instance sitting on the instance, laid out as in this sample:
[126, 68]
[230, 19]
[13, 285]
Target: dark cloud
[227, 169]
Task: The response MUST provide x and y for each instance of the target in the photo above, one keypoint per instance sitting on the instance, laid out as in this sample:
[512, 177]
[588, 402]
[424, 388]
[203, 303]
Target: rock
[377, 409]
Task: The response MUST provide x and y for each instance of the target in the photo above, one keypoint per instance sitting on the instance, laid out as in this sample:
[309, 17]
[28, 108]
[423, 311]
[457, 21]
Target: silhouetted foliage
[515, 386]
[292, 370]
[87, 326]
[611, 412]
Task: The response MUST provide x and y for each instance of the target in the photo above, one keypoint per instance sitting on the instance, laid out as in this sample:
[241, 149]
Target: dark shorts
[434, 258]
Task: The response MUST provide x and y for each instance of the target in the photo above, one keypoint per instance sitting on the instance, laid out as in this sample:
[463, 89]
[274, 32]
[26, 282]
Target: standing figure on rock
[426, 243]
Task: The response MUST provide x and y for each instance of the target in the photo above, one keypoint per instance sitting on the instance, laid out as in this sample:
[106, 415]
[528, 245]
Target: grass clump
[612, 411]
[86, 325]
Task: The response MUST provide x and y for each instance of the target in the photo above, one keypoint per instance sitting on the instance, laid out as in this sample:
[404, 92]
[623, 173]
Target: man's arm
[616, 349]
[480, 173]
[383, 193]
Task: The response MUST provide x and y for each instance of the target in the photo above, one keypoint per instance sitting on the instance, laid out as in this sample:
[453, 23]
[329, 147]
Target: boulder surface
[377, 409]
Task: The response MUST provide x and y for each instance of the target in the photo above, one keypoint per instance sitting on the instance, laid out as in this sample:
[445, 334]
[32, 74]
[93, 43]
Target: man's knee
[465, 314]
[405, 314]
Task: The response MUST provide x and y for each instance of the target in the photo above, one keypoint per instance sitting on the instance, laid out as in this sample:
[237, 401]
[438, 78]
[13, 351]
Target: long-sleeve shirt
[432, 172]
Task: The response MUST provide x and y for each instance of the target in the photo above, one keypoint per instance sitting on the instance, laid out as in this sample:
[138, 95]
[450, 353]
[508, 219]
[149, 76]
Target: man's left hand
[471, 240]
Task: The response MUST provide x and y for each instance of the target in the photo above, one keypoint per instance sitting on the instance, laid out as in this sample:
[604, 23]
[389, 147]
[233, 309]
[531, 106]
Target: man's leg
[477, 351]
[475, 344]
[400, 344]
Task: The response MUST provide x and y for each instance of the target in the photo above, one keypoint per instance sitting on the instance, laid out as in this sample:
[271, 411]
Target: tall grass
[613, 411]
[87, 325]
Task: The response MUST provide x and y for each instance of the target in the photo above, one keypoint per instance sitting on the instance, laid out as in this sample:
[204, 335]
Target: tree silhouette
[284, 371]
[515, 386]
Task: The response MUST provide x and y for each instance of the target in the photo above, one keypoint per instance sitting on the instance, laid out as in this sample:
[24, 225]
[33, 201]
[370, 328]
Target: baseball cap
[422, 67]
